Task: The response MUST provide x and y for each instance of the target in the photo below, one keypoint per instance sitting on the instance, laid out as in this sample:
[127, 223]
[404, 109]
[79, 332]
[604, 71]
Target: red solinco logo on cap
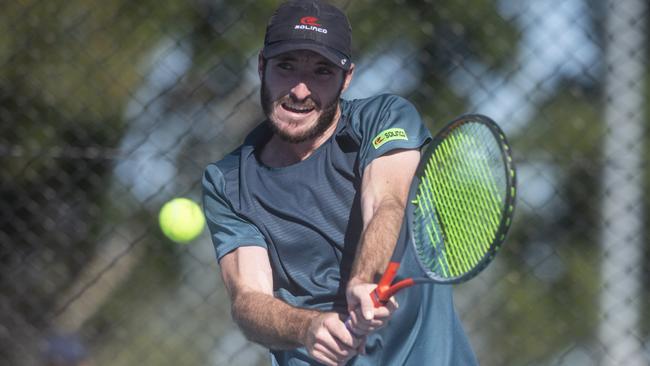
[310, 23]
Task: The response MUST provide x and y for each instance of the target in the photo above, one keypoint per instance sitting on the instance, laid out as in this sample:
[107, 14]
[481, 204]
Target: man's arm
[247, 275]
[384, 191]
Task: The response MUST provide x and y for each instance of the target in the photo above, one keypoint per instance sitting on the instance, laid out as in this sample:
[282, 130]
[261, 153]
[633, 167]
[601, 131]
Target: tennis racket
[460, 206]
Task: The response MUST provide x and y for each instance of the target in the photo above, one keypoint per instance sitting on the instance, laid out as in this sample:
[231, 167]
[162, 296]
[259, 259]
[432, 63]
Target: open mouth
[298, 108]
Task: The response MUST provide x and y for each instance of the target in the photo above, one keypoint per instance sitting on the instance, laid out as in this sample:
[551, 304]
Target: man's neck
[279, 153]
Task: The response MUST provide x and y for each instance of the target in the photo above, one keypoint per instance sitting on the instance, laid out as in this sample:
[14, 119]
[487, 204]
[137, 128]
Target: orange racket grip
[385, 290]
[382, 293]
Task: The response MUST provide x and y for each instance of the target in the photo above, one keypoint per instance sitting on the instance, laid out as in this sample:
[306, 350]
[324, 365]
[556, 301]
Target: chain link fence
[110, 108]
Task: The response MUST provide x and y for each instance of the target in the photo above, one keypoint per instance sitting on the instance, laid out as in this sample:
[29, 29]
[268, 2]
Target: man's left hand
[364, 316]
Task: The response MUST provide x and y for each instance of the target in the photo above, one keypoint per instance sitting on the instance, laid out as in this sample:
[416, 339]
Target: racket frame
[385, 289]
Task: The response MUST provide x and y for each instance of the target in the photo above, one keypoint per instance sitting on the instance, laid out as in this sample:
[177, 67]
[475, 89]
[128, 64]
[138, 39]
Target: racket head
[462, 200]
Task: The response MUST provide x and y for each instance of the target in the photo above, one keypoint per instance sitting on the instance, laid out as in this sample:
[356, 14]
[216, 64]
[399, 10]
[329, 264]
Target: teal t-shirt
[308, 216]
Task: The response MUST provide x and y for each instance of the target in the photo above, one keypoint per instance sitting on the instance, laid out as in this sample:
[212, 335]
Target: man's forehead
[304, 56]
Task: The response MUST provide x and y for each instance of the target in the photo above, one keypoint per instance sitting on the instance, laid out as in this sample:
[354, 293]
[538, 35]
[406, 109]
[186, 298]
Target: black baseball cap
[310, 25]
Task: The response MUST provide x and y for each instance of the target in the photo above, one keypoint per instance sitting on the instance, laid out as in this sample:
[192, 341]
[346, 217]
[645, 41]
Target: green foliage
[80, 56]
[569, 124]
[548, 300]
[439, 27]
[440, 32]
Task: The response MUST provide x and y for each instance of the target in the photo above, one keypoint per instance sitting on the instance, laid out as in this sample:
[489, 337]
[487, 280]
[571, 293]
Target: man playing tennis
[304, 215]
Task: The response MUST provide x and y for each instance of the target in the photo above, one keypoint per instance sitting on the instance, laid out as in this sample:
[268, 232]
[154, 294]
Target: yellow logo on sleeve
[389, 135]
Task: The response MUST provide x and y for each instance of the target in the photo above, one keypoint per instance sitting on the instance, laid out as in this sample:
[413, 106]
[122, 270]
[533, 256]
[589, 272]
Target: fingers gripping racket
[460, 206]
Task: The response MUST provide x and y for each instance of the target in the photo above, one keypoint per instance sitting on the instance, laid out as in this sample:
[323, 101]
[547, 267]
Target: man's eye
[285, 66]
[323, 71]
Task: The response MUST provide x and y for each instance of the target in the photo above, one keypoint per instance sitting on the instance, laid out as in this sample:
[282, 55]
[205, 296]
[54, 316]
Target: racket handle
[349, 327]
[381, 293]
[376, 299]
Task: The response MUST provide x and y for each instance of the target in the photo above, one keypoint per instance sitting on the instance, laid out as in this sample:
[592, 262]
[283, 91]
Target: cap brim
[335, 57]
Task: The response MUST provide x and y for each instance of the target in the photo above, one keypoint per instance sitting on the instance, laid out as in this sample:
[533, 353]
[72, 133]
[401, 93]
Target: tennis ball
[181, 220]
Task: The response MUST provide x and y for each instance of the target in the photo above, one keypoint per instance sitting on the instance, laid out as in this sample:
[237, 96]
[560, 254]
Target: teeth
[298, 108]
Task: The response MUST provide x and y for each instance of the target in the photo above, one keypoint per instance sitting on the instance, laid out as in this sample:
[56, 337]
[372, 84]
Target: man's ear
[348, 78]
[261, 62]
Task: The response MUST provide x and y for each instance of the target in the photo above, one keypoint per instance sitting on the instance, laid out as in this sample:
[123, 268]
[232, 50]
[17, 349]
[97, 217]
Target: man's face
[300, 94]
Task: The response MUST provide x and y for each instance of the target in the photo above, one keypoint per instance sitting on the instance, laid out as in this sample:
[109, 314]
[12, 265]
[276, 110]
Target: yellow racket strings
[459, 201]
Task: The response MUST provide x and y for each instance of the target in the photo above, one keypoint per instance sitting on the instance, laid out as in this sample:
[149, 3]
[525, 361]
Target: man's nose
[300, 91]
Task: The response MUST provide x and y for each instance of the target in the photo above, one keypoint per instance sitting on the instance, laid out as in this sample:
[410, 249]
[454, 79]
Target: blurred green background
[110, 108]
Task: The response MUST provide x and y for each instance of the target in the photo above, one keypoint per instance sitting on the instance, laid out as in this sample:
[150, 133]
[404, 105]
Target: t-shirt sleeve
[228, 230]
[387, 123]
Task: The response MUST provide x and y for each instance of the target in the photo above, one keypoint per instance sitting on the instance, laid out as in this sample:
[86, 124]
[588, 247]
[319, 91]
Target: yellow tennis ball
[181, 220]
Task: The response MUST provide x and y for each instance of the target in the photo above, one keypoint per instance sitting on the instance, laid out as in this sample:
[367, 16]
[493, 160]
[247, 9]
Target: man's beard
[322, 124]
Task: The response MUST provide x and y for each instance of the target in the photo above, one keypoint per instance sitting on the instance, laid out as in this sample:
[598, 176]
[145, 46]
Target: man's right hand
[329, 341]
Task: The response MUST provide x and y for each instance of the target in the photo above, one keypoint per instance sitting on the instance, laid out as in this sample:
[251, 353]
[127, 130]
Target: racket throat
[380, 294]
[381, 298]
[384, 290]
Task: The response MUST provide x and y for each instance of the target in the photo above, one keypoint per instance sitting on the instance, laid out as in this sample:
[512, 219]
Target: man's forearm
[378, 241]
[271, 322]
